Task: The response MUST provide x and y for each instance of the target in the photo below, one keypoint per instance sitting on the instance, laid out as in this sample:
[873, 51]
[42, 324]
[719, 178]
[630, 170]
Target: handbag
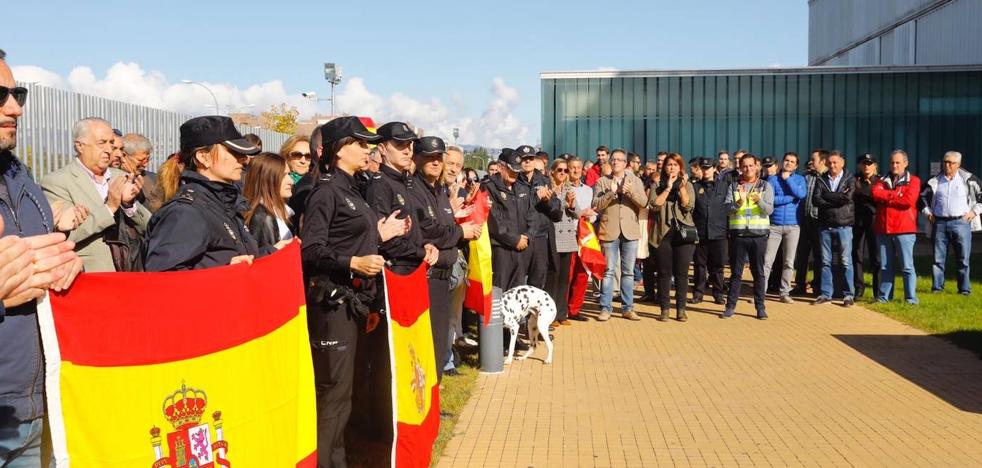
[687, 234]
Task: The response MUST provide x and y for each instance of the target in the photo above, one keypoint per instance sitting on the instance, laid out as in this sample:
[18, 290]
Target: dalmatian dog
[523, 301]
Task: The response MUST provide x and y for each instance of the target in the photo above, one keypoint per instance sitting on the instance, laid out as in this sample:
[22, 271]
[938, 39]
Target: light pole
[332, 73]
[218, 110]
[456, 135]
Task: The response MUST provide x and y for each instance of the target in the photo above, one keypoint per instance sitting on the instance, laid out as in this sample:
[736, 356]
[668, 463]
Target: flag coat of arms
[589, 252]
[415, 392]
[196, 369]
[477, 296]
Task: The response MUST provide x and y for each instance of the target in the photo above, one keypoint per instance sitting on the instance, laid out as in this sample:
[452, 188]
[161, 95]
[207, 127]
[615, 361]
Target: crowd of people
[359, 201]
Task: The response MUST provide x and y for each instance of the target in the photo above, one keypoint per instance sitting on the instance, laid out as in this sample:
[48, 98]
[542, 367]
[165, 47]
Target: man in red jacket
[596, 171]
[895, 196]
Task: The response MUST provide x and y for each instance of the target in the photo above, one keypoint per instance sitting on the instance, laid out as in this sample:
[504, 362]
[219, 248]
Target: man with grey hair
[109, 194]
[33, 260]
[136, 158]
[952, 201]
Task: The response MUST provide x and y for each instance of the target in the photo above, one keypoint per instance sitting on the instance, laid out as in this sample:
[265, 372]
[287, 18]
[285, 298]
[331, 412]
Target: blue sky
[432, 62]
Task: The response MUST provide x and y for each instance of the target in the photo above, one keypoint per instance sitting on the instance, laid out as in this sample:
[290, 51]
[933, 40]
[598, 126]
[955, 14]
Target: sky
[436, 64]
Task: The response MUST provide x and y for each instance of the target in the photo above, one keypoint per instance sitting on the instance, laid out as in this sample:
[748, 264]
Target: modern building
[894, 32]
[912, 82]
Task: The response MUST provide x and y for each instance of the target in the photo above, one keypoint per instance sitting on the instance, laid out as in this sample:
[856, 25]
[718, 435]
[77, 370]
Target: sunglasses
[561, 170]
[298, 155]
[19, 94]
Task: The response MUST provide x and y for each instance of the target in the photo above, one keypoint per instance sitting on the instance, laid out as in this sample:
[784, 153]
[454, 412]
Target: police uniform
[546, 213]
[510, 217]
[201, 227]
[439, 227]
[338, 225]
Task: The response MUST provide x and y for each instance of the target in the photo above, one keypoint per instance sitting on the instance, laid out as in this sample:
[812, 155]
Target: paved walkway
[814, 385]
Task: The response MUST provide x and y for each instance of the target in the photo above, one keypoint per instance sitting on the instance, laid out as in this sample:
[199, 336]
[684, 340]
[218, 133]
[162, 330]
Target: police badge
[429, 209]
[350, 204]
[402, 201]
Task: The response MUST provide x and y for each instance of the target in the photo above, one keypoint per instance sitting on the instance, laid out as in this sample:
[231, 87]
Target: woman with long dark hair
[340, 235]
[672, 202]
[268, 186]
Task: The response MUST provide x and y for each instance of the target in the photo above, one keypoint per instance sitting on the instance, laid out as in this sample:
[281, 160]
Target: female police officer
[201, 226]
[340, 235]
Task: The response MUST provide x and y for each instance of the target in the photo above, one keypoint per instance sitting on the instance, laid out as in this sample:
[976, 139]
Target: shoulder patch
[186, 196]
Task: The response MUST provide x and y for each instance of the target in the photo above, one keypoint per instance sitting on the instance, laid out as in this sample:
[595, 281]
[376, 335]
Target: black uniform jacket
[390, 191]
[710, 213]
[201, 227]
[512, 214]
[546, 211]
[437, 221]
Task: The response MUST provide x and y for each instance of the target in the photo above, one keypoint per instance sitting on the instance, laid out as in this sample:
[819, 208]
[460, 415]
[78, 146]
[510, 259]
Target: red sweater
[896, 204]
[593, 174]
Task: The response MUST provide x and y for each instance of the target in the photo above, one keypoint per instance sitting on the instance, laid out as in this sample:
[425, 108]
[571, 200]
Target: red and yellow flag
[208, 368]
[590, 253]
[479, 275]
[415, 392]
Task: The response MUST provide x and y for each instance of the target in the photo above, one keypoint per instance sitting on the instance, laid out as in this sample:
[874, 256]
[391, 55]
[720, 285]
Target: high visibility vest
[749, 219]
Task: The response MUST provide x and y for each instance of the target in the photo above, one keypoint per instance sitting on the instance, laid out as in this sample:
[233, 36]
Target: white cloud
[496, 126]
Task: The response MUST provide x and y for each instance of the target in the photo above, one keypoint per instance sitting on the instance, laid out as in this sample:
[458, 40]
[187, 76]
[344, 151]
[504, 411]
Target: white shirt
[951, 197]
[834, 181]
[584, 198]
[103, 188]
[285, 233]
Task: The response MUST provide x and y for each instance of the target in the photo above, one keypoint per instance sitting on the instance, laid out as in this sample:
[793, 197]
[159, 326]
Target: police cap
[397, 131]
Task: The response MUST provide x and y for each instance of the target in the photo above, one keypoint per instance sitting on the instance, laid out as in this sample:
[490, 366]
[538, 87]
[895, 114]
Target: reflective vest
[749, 220]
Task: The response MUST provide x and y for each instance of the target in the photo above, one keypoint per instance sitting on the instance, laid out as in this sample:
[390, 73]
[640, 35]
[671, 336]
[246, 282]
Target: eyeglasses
[561, 170]
[298, 155]
[19, 94]
[951, 162]
[619, 160]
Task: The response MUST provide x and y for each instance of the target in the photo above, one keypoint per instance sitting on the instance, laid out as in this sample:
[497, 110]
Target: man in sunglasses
[32, 260]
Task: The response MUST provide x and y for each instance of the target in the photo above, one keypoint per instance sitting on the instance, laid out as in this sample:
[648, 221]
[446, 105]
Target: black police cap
[429, 145]
[397, 131]
[344, 127]
[866, 159]
[767, 162]
[525, 151]
[706, 163]
[511, 158]
[212, 130]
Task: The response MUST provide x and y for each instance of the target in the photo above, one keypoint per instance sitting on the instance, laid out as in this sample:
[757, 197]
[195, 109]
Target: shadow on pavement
[952, 374]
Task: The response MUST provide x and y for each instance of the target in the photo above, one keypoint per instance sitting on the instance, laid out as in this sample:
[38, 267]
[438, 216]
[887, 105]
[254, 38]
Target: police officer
[438, 226]
[201, 226]
[340, 235]
[511, 222]
[863, 234]
[710, 217]
[548, 209]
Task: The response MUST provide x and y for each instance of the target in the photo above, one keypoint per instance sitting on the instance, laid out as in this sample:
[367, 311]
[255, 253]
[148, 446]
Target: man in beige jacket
[618, 198]
[88, 180]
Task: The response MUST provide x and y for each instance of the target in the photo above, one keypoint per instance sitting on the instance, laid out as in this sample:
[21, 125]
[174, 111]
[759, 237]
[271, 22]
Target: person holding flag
[580, 277]
[341, 234]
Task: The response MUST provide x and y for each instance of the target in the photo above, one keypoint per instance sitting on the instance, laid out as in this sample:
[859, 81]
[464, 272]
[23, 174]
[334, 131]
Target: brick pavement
[812, 386]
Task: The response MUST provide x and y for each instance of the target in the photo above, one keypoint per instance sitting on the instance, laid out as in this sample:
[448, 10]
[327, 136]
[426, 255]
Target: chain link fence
[44, 132]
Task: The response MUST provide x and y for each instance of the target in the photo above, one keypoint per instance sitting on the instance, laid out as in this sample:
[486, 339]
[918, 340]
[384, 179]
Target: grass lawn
[453, 396]
[948, 314]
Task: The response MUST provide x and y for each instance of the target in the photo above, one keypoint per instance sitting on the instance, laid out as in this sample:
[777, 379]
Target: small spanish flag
[208, 368]
[590, 253]
[368, 123]
[479, 275]
[415, 392]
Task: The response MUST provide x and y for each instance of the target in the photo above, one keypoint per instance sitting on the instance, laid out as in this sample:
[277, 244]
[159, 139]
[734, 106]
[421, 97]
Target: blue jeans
[890, 245]
[844, 234]
[957, 232]
[623, 251]
[20, 443]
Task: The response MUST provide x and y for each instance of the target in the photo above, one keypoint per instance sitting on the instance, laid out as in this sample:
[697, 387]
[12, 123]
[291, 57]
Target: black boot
[664, 315]
[680, 315]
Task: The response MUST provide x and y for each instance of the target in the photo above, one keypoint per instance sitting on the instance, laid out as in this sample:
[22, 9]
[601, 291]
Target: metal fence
[44, 132]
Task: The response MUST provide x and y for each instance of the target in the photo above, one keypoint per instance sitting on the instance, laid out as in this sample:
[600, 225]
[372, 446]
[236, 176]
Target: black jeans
[538, 261]
[709, 255]
[440, 321]
[752, 248]
[509, 267]
[674, 258]
[648, 268]
[863, 236]
[557, 281]
[809, 244]
[334, 365]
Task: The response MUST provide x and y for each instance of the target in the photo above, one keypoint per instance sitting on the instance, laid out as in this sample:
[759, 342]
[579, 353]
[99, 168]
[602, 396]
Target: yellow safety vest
[749, 219]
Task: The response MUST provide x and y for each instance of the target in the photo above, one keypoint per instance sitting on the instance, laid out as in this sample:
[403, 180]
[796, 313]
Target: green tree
[281, 118]
[477, 159]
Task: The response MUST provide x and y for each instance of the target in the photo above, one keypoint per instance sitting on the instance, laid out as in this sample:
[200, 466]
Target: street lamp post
[332, 73]
[218, 110]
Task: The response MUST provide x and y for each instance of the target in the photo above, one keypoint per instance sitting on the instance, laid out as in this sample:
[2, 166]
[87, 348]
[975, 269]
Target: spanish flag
[590, 253]
[208, 368]
[415, 392]
[479, 276]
